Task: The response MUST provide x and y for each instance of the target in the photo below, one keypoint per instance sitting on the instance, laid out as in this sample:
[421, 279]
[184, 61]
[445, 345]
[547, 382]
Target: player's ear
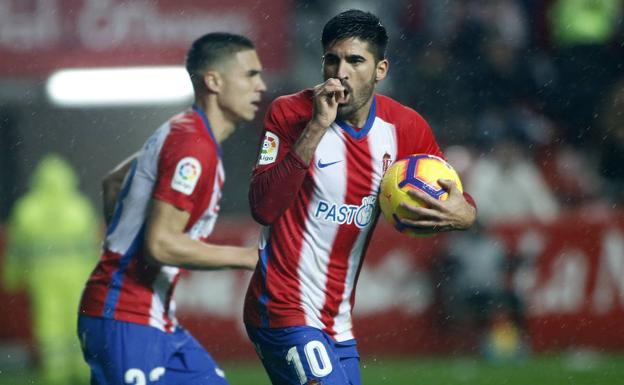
[213, 81]
[381, 69]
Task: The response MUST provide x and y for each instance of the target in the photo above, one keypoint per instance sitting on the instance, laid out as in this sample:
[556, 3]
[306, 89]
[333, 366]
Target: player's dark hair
[212, 48]
[357, 24]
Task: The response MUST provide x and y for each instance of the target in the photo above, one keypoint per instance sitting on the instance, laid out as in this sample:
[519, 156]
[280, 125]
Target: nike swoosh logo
[323, 165]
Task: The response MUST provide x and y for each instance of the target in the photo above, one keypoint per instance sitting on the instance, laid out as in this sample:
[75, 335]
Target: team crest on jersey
[386, 162]
[186, 175]
[270, 146]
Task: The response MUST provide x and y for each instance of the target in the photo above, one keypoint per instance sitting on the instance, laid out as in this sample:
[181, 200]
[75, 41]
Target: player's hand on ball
[454, 213]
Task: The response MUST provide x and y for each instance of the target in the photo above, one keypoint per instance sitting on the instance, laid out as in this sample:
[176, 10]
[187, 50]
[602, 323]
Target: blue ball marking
[411, 178]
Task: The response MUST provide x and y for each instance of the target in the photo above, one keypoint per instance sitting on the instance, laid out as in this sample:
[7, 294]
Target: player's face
[350, 61]
[242, 86]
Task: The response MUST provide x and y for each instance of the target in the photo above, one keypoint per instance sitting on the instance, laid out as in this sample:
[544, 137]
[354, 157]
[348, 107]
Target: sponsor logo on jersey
[361, 215]
[270, 146]
[186, 175]
[320, 164]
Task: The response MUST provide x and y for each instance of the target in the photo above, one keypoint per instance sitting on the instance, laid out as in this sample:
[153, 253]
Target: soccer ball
[416, 172]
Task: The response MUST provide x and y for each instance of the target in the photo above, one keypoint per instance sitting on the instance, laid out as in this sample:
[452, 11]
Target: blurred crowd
[525, 96]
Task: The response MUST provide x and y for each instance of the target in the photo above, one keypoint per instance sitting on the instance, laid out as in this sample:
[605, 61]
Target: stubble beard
[359, 100]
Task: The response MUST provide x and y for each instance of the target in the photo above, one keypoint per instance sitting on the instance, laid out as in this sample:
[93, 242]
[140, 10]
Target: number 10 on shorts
[316, 357]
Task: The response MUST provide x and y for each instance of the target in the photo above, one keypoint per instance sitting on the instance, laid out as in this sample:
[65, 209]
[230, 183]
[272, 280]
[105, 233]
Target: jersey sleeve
[277, 138]
[186, 171]
[279, 172]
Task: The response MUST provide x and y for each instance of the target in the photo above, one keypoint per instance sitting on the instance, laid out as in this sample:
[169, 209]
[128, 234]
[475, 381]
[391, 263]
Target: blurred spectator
[584, 22]
[52, 241]
[474, 266]
[612, 144]
[501, 19]
[581, 32]
[572, 175]
[478, 292]
[504, 341]
[435, 91]
[508, 186]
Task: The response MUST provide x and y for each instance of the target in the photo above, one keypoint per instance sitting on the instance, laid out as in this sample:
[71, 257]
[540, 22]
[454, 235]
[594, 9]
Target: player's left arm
[111, 185]
[459, 210]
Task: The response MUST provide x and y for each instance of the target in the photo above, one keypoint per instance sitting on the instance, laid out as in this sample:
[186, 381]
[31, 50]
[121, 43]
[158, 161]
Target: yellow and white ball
[416, 172]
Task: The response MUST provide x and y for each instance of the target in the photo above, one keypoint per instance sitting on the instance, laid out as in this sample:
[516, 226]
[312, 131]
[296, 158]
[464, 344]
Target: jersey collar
[355, 134]
[204, 119]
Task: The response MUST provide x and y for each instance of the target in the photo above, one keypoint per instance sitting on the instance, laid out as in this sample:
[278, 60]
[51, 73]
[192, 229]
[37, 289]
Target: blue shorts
[302, 354]
[127, 353]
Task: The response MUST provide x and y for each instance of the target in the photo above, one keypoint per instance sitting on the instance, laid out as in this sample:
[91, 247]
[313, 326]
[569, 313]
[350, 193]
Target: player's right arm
[276, 181]
[166, 243]
[325, 100]
[187, 173]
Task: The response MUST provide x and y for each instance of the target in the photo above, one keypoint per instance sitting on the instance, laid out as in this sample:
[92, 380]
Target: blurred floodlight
[119, 86]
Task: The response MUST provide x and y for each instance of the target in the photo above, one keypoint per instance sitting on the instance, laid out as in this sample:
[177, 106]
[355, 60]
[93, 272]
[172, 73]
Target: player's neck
[358, 118]
[221, 126]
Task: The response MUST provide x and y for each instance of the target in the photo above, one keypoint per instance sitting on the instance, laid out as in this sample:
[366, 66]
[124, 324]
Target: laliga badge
[270, 146]
[186, 175]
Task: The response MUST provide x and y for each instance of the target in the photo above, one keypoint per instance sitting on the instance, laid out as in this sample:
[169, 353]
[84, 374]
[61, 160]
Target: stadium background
[525, 96]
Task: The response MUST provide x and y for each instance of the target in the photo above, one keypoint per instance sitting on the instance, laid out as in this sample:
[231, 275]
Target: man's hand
[454, 213]
[326, 98]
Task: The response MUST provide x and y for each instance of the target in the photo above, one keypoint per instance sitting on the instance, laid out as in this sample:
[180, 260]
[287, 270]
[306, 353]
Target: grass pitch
[580, 368]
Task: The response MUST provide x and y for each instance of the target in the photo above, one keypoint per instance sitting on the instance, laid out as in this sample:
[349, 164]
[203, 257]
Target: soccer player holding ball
[315, 189]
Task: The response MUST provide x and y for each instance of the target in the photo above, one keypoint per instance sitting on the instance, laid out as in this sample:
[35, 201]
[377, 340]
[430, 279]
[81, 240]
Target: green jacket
[52, 224]
[584, 22]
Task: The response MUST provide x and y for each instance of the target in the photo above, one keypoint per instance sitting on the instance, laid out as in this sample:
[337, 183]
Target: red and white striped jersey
[179, 164]
[310, 257]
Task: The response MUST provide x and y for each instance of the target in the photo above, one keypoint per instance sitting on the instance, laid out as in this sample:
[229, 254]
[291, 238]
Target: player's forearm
[182, 251]
[273, 191]
[470, 200]
[307, 143]
[466, 217]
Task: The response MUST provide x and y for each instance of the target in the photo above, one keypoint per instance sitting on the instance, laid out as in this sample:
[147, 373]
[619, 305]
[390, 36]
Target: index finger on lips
[332, 81]
[332, 88]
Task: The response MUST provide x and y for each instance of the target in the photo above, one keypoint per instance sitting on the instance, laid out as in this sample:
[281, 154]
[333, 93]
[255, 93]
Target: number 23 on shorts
[316, 357]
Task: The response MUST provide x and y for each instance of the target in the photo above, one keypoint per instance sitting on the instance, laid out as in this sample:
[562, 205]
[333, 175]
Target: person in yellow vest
[52, 243]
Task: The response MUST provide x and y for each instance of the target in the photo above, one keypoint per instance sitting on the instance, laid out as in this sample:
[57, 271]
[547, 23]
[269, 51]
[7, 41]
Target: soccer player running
[314, 189]
[167, 207]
